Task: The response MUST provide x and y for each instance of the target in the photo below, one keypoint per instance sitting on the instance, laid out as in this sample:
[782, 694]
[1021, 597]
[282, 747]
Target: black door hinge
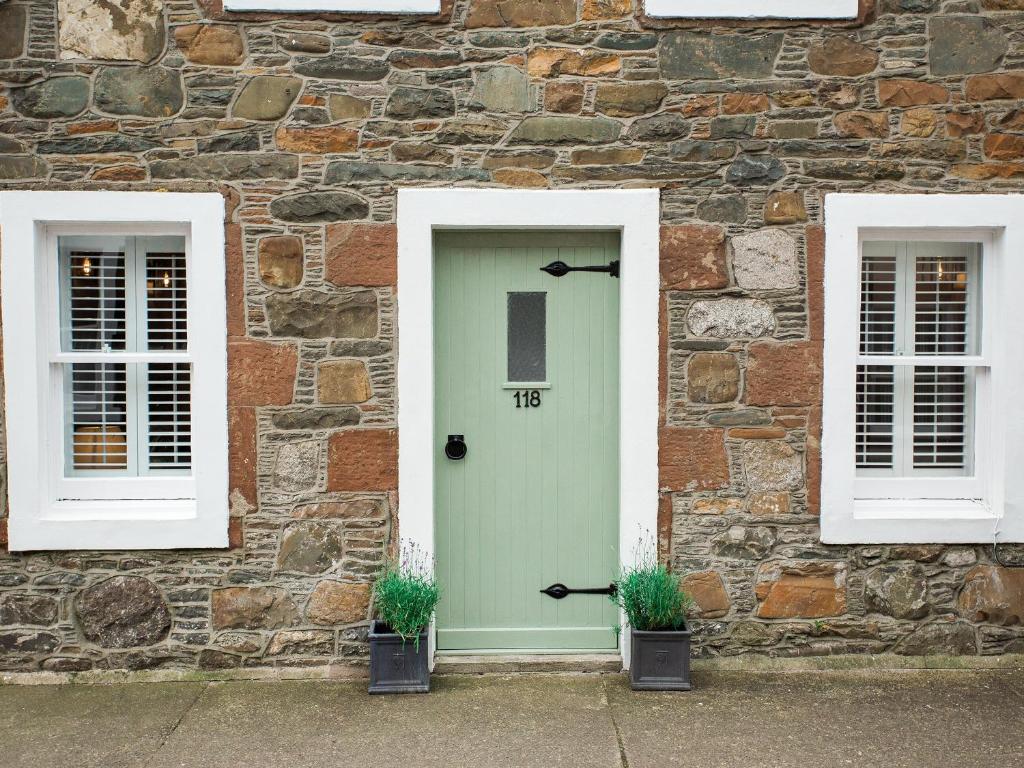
[560, 591]
[561, 269]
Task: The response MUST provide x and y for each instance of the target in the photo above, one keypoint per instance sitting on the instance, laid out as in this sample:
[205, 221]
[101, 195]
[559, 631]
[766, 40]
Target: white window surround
[997, 221]
[335, 6]
[752, 9]
[636, 215]
[37, 520]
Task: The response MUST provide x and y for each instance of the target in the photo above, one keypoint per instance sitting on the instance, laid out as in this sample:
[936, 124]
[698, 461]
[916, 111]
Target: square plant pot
[396, 665]
[660, 661]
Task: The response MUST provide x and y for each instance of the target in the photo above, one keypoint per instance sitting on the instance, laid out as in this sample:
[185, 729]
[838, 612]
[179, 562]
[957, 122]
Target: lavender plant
[406, 594]
[650, 595]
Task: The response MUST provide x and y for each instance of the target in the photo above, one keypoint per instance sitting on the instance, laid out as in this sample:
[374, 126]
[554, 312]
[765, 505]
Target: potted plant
[405, 596]
[655, 607]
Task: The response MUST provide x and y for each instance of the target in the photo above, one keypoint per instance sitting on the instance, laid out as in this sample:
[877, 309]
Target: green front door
[527, 371]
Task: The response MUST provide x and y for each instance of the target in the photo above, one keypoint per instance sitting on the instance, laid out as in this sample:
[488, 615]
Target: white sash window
[335, 6]
[752, 9]
[116, 402]
[919, 422]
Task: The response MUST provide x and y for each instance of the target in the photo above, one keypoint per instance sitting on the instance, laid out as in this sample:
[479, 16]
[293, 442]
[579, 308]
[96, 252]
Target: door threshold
[448, 663]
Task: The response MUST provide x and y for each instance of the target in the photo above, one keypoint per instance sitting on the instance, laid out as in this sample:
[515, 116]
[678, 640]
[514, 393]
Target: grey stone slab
[106, 726]
[867, 719]
[516, 722]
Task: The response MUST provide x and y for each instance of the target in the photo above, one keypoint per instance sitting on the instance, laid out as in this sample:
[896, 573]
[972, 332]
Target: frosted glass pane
[527, 336]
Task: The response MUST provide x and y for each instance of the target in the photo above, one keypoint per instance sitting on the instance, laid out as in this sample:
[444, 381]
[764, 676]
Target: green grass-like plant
[650, 595]
[405, 594]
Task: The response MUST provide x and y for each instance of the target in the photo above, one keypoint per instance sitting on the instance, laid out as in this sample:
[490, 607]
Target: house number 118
[527, 398]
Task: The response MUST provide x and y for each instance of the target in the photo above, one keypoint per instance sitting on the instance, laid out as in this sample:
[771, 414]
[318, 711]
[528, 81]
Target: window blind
[918, 299]
[125, 295]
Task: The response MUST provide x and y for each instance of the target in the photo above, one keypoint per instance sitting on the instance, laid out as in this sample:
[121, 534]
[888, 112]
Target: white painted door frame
[635, 214]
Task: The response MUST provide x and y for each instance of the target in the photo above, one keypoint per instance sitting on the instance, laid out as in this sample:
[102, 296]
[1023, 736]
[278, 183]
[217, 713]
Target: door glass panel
[527, 336]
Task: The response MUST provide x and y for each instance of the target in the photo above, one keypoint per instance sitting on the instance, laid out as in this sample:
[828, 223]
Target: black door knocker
[455, 449]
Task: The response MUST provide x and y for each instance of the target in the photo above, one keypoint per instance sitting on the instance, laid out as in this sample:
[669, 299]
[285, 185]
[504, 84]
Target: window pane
[165, 301]
[527, 336]
[944, 280]
[878, 299]
[876, 402]
[96, 416]
[93, 308]
[170, 420]
[941, 417]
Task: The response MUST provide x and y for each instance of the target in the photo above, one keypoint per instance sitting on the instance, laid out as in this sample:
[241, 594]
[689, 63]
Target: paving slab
[525, 722]
[888, 719]
[868, 719]
[87, 726]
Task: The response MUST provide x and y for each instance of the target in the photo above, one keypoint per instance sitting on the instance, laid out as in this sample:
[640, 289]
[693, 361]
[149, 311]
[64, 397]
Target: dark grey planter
[398, 666]
[660, 661]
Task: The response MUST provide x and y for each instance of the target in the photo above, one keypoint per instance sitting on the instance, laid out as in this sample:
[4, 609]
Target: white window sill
[124, 525]
[335, 6]
[923, 509]
[752, 9]
[916, 521]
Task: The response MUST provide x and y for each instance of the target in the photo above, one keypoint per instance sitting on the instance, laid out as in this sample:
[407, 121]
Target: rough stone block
[266, 97]
[214, 44]
[692, 459]
[311, 314]
[731, 318]
[900, 591]
[338, 602]
[343, 381]
[363, 460]
[123, 612]
[712, 377]
[960, 45]
[772, 465]
[13, 23]
[795, 589]
[297, 466]
[362, 254]
[765, 260]
[520, 13]
[280, 260]
[709, 594]
[252, 608]
[502, 89]
[686, 55]
[311, 546]
[261, 373]
[839, 56]
[993, 595]
[784, 373]
[138, 91]
[693, 258]
[129, 30]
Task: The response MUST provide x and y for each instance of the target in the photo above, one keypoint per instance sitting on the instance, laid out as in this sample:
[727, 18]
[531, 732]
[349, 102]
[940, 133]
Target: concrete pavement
[864, 718]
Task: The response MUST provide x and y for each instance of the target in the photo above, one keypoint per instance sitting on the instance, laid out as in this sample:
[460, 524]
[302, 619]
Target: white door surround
[635, 214]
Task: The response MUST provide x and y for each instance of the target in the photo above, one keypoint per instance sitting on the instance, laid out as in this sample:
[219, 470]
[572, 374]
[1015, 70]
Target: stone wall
[307, 125]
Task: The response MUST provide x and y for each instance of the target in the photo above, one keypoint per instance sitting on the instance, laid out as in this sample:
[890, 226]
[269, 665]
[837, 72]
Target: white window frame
[335, 6]
[752, 9]
[933, 510]
[128, 512]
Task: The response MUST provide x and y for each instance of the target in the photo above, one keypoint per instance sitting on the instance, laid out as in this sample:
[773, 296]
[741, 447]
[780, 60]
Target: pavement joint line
[167, 737]
[623, 759]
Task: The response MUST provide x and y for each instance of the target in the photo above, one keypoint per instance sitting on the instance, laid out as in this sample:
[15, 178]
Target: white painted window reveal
[336, 6]
[752, 9]
[116, 405]
[919, 421]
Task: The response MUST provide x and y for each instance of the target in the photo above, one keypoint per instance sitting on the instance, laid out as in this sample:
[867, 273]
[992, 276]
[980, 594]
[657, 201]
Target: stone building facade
[307, 124]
